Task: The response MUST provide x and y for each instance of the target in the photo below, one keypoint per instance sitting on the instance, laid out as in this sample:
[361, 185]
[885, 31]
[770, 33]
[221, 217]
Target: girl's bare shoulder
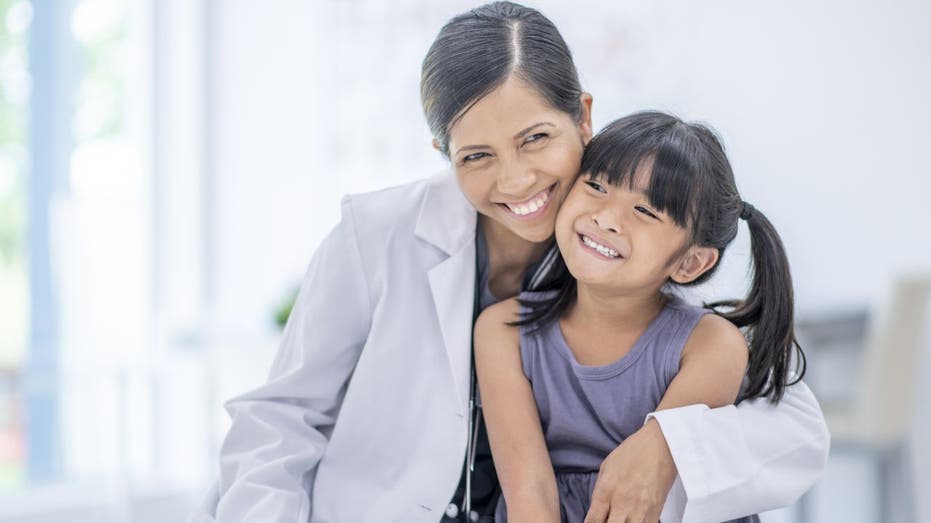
[493, 324]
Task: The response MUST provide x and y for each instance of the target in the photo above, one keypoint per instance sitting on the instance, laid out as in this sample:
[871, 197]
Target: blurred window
[15, 18]
[100, 247]
[75, 326]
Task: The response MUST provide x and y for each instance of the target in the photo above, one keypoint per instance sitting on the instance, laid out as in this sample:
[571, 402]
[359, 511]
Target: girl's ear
[695, 262]
[585, 122]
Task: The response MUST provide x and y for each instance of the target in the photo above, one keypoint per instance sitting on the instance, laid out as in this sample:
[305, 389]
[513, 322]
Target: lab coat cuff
[686, 452]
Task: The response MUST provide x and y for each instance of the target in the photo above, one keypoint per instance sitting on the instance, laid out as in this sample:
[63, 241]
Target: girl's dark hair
[692, 181]
[477, 51]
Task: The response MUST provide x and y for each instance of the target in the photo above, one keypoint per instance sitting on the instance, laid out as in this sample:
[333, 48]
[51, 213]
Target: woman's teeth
[606, 251]
[532, 206]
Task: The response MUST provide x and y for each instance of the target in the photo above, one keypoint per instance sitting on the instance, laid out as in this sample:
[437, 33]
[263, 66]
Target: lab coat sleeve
[279, 431]
[737, 461]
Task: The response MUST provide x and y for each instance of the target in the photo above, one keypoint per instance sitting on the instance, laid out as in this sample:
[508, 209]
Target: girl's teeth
[600, 248]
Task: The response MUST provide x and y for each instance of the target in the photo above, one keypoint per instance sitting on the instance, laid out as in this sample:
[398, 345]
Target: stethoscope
[475, 402]
[475, 421]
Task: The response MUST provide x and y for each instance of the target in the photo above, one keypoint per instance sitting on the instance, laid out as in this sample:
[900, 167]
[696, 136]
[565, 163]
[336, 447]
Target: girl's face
[515, 157]
[613, 237]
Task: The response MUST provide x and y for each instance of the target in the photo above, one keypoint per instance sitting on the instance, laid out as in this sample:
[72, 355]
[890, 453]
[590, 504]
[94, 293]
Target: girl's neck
[509, 256]
[608, 313]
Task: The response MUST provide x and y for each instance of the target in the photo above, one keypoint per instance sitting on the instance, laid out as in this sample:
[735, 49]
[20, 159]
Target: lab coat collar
[447, 220]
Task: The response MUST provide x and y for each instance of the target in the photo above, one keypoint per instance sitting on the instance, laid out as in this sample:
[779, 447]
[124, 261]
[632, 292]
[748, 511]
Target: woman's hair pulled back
[479, 50]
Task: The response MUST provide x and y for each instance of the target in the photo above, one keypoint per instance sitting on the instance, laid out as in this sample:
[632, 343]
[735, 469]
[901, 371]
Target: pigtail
[767, 314]
[558, 287]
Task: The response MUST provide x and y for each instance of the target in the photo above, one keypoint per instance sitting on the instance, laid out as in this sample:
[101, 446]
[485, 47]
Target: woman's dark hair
[477, 51]
[691, 180]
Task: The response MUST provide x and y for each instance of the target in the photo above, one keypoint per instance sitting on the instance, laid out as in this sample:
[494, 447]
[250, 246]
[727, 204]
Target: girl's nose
[516, 181]
[606, 223]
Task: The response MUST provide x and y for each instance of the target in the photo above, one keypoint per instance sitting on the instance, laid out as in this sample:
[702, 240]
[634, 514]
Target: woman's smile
[530, 208]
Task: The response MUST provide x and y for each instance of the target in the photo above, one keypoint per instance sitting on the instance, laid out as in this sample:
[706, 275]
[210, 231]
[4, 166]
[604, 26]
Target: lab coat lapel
[447, 220]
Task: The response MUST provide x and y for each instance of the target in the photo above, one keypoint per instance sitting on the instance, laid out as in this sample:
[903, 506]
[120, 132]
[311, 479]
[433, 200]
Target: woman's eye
[646, 211]
[473, 157]
[596, 186]
[535, 137]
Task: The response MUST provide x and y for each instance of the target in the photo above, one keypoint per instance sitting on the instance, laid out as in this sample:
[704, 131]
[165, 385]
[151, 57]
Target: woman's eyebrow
[470, 148]
[532, 127]
[516, 136]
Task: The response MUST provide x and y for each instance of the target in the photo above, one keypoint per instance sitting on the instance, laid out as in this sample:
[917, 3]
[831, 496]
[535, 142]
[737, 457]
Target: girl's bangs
[627, 150]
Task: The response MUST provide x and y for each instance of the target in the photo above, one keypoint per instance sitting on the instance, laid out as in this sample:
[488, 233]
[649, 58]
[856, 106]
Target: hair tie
[746, 210]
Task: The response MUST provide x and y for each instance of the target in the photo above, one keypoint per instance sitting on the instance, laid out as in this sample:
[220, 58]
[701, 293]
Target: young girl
[569, 374]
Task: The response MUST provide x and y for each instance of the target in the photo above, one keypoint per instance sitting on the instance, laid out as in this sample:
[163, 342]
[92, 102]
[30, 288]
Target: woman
[366, 414]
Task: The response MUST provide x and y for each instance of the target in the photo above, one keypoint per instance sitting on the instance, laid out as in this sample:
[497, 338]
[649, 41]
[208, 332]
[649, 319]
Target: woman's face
[515, 157]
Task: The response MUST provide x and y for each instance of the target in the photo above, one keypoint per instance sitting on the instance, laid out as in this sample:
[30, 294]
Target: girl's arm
[712, 366]
[514, 432]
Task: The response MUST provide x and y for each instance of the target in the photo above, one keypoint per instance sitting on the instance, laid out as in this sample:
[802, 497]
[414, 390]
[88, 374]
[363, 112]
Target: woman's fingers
[620, 516]
[598, 511]
[634, 479]
[620, 507]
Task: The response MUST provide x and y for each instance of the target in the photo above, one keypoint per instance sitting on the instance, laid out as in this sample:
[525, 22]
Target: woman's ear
[585, 120]
[695, 262]
[436, 145]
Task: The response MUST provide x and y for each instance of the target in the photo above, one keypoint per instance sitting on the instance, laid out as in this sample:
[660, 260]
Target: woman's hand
[634, 479]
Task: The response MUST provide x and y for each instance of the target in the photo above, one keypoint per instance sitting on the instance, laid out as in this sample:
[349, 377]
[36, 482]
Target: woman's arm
[731, 461]
[745, 459]
[514, 432]
[279, 431]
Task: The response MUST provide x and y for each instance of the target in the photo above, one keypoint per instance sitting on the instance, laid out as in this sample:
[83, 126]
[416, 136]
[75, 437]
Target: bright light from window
[15, 87]
[93, 19]
[19, 17]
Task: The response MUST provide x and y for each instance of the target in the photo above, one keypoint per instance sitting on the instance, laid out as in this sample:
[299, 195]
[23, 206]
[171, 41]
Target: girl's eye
[646, 211]
[596, 186]
[473, 157]
[536, 137]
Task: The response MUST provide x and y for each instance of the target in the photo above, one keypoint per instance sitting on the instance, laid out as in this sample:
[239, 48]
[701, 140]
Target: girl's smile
[599, 248]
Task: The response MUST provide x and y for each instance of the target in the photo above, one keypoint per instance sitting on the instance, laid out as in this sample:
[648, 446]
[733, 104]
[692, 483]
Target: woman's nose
[516, 181]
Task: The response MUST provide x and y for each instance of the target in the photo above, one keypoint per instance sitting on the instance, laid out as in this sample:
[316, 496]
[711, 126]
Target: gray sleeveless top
[585, 411]
[588, 411]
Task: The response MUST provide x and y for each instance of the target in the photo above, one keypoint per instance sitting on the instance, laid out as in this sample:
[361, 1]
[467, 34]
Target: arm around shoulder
[738, 460]
[279, 430]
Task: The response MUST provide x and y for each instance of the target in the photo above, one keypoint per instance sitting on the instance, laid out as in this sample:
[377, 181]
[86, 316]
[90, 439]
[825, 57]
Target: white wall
[823, 107]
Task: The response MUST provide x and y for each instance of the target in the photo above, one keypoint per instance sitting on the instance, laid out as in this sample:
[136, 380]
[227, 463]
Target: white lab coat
[364, 415]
